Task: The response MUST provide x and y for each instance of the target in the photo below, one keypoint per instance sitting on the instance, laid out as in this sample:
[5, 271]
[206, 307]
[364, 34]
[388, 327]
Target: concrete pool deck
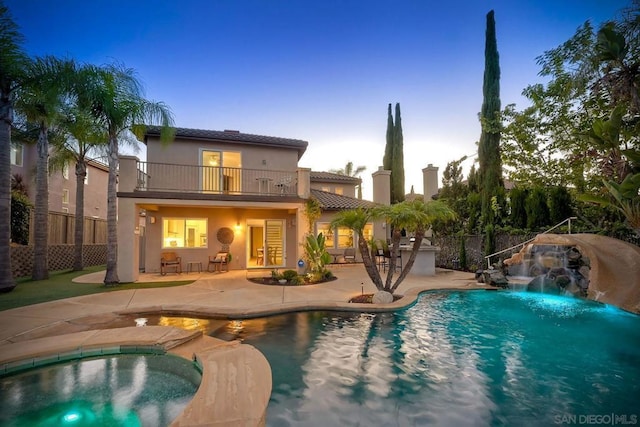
[86, 323]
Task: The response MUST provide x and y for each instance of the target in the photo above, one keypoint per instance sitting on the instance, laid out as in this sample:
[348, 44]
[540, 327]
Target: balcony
[166, 177]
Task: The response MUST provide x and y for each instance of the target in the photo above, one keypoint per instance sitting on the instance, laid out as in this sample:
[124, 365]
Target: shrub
[289, 274]
[463, 254]
[20, 211]
[518, 211]
[297, 280]
[537, 209]
[559, 204]
[489, 240]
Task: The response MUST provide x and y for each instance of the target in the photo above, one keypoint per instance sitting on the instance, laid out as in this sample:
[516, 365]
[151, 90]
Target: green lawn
[60, 286]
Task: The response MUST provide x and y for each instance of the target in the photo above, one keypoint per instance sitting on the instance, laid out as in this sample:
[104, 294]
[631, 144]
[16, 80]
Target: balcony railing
[214, 180]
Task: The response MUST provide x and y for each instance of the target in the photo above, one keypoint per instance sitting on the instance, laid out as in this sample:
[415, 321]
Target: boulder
[495, 278]
[382, 297]
[544, 285]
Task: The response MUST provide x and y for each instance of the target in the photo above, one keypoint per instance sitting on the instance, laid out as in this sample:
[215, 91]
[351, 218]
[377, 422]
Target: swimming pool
[121, 390]
[454, 358]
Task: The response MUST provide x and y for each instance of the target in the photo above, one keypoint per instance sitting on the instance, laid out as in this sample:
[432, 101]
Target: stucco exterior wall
[95, 194]
[188, 152]
[348, 190]
[218, 217]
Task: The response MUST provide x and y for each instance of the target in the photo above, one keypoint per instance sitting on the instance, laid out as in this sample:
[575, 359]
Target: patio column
[128, 240]
[127, 173]
[304, 182]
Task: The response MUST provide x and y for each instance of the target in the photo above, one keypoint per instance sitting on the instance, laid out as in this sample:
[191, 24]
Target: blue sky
[323, 71]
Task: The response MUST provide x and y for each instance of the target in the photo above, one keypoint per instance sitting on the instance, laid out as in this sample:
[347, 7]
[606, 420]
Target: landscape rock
[495, 278]
[382, 297]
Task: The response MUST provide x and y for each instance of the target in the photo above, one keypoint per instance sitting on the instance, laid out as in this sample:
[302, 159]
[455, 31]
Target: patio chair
[170, 260]
[285, 184]
[349, 255]
[219, 261]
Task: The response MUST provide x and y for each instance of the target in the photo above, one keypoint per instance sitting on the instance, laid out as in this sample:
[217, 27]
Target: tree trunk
[111, 277]
[41, 210]
[369, 264]
[78, 238]
[6, 117]
[419, 235]
[396, 235]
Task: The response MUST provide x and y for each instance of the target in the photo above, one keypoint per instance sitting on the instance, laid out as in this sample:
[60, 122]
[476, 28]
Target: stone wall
[449, 255]
[60, 258]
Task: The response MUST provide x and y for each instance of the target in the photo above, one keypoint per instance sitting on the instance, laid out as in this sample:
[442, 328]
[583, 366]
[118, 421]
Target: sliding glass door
[265, 245]
[221, 171]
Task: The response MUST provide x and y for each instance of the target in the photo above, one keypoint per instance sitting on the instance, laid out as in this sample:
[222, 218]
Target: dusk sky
[323, 71]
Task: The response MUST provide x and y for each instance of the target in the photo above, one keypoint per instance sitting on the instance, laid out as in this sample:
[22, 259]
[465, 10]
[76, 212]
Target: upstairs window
[16, 154]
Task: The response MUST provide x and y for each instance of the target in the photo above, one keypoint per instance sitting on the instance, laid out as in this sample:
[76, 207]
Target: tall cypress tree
[388, 149]
[397, 163]
[490, 168]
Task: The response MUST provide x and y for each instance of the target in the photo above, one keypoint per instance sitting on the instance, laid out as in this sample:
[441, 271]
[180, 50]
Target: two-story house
[209, 191]
[62, 184]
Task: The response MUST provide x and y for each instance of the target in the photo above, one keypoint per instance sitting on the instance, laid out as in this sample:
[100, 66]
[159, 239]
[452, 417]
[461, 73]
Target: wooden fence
[62, 227]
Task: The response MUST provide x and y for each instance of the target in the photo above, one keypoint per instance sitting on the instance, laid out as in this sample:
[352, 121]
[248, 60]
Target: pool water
[121, 390]
[453, 359]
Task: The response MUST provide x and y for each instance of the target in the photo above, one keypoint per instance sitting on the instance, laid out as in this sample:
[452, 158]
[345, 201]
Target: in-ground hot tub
[114, 390]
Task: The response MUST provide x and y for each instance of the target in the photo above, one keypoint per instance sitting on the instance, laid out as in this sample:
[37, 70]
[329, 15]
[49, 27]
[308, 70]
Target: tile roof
[333, 177]
[233, 136]
[332, 201]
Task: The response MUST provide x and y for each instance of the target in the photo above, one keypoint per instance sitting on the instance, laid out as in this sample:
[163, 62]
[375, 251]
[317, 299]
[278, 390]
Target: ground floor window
[184, 233]
[345, 237]
[368, 232]
[341, 237]
[327, 232]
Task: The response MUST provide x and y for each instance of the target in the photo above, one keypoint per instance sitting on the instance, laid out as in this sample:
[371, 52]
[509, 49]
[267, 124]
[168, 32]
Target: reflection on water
[455, 358]
[123, 390]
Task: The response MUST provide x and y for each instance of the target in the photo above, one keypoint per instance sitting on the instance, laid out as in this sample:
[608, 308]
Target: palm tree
[621, 76]
[356, 219]
[348, 170]
[40, 101]
[83, 138]
[13, 62]
[116, 100]
[414, 216]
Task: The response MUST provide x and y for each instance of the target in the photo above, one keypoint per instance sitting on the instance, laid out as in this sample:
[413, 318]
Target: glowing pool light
[71, 417]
